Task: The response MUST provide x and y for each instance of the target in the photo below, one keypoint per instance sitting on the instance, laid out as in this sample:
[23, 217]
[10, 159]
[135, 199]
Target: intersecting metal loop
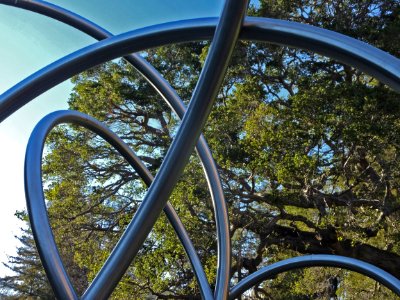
[355, 53]
[36, 204]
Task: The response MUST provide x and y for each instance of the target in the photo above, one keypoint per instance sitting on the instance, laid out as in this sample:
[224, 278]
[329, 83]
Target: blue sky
[28, 43]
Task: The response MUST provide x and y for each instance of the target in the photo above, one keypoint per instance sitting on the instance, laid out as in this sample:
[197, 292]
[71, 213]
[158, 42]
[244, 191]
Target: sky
[29, 42]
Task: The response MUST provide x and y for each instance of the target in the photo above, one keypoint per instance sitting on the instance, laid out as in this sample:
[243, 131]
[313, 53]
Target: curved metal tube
[177, 156]
[38, 211]
[320, 260]
[177, 105]
[329, 43]
[355, 53]
[225, 224]
[373, 61]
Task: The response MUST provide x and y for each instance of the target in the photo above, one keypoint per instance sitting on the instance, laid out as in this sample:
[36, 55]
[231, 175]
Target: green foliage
[29, 280]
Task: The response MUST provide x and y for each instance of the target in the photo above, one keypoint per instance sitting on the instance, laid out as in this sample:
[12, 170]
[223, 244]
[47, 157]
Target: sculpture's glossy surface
[227, 29]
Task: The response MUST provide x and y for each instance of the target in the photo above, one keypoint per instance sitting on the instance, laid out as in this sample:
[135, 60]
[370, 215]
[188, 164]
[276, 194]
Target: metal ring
[316, 260]
[177, 105]
[36, 203]
[371, 60]
[127, 247]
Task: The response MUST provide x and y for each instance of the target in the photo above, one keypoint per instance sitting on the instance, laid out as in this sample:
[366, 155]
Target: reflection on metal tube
[355, 53]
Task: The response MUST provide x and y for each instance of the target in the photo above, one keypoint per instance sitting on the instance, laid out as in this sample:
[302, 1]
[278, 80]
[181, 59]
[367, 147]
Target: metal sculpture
[231, 25]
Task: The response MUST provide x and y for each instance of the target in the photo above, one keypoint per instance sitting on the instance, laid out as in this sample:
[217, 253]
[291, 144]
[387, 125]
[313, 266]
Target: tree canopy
[307, 150]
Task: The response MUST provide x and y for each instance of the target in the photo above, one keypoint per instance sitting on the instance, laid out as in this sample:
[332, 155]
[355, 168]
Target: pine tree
[28, 280]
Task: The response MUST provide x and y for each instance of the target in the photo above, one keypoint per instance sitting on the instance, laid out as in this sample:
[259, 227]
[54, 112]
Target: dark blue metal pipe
[373, 61]
[113, 47]
[38, 212]
[177, 105]
[320, 260]
[224, 265]
[281, 32]
[177, 156]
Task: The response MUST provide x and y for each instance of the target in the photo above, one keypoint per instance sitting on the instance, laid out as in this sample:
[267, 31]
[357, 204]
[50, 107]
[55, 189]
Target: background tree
[307, 149]
[29, 280]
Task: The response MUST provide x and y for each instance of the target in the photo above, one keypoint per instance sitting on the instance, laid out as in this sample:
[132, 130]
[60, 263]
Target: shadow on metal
[224, 32]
